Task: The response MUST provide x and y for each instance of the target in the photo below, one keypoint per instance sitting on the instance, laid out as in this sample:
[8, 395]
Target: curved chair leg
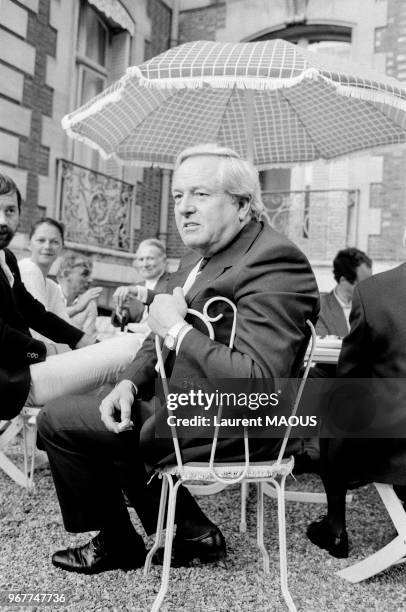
[280, 490]
[244, 495]
[31, 439]
[392, 553]
[159, 527]
[170, 525]
[25, 446]
[260, 527]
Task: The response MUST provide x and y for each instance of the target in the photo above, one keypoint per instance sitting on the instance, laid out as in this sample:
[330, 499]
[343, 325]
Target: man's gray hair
[238, 176]
[155, 243]
[72, 260]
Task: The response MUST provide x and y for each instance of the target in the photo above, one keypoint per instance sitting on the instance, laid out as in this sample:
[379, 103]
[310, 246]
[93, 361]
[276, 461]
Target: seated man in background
[350, 266]
[74, 277]
[130, 301]
[28, 375]
[234, 253]
[375, 348]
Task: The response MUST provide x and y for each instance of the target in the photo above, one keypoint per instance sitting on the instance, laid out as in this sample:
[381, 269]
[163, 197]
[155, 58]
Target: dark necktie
[203, 263]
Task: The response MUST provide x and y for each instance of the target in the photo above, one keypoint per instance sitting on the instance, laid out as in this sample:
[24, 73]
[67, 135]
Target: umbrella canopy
[271, 101]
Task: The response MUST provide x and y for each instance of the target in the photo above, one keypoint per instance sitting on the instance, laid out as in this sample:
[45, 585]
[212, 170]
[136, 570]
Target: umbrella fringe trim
[368, 94]
[220, 82]
[80, 115]
[75, 136]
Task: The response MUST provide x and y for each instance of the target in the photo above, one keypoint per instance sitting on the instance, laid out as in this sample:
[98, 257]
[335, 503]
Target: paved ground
[31, 529]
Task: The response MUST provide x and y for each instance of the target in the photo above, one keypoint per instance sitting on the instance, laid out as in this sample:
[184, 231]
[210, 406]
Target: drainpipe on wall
[165, 174]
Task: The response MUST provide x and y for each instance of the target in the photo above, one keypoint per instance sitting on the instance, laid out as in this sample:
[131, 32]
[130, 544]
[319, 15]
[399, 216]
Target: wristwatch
[171, 338]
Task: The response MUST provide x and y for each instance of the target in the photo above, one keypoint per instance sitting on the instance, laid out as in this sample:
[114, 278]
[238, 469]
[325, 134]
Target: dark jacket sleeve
[20, 348]
[47, 323]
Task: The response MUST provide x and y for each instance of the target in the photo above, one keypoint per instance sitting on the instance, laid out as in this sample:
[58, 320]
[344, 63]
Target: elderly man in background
[236, 254]
[74, 277]
[131, 300]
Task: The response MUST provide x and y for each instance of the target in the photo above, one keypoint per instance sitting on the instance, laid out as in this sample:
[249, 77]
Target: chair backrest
[205, 317]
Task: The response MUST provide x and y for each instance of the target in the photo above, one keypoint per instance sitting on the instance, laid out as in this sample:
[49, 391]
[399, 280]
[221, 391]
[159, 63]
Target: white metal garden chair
[25, 423]
[223, 474]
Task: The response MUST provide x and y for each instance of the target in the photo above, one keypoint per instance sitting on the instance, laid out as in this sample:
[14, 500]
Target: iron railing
[320, 222]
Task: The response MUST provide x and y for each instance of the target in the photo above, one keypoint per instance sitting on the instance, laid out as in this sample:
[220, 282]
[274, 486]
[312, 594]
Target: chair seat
[200, 470]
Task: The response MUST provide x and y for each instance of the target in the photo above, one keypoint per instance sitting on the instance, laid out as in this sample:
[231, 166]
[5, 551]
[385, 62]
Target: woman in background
[46, 240]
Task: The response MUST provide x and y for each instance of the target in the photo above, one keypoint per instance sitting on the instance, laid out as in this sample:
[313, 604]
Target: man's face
[9, 218]
[206, 216]
[362, 272]
[150, 262]
[78, 279]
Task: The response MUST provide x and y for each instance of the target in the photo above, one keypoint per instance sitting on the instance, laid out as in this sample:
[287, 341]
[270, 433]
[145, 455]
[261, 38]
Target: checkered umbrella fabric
[302, 106]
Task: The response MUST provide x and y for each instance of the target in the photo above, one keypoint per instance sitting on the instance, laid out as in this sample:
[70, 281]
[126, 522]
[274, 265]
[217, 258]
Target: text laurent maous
[270, 421]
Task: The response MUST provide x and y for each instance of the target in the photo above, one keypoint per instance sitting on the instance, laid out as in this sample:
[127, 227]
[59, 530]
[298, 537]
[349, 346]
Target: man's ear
[244, 205]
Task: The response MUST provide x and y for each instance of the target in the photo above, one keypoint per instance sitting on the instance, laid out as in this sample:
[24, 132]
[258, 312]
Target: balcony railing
[95, 208]
[319, 222]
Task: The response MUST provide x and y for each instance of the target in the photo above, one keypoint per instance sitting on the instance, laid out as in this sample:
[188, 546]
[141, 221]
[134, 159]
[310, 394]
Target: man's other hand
[117, 404]
[86, 340]
[166, 310]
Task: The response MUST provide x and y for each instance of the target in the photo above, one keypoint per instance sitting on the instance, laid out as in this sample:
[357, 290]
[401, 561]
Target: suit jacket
[273, 287]
[331, 319]
[18, 349]
[375, 348]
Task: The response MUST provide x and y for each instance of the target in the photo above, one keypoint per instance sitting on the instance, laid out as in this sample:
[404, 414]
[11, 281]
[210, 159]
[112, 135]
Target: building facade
[57, 54]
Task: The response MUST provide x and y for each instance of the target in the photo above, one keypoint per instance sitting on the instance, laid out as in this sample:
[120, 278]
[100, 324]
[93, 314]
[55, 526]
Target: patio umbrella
[271, 101]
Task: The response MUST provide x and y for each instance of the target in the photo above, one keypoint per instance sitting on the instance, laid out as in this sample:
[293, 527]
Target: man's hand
[86, 340]
[122, 295]
[166, 310]
[119, 400]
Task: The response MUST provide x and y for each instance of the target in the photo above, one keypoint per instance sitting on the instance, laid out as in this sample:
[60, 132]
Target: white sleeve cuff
[142, 293]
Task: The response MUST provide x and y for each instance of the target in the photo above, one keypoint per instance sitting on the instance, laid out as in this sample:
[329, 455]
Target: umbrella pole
[249, 95]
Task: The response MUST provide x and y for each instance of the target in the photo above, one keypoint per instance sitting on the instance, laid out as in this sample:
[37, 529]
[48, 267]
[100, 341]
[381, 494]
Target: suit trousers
[91, 467]
[82, 370]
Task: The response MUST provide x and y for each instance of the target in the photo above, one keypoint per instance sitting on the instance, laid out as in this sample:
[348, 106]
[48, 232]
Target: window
[92, 59]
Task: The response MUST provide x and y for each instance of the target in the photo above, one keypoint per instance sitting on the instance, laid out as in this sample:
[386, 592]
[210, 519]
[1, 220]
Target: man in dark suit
[350, 266]
[235, 254]
[19, 311]
[375, 348]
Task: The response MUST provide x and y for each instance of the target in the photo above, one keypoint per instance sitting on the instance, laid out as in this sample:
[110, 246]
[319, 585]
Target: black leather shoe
[321, 534]
[93, 557]
[207, 548]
